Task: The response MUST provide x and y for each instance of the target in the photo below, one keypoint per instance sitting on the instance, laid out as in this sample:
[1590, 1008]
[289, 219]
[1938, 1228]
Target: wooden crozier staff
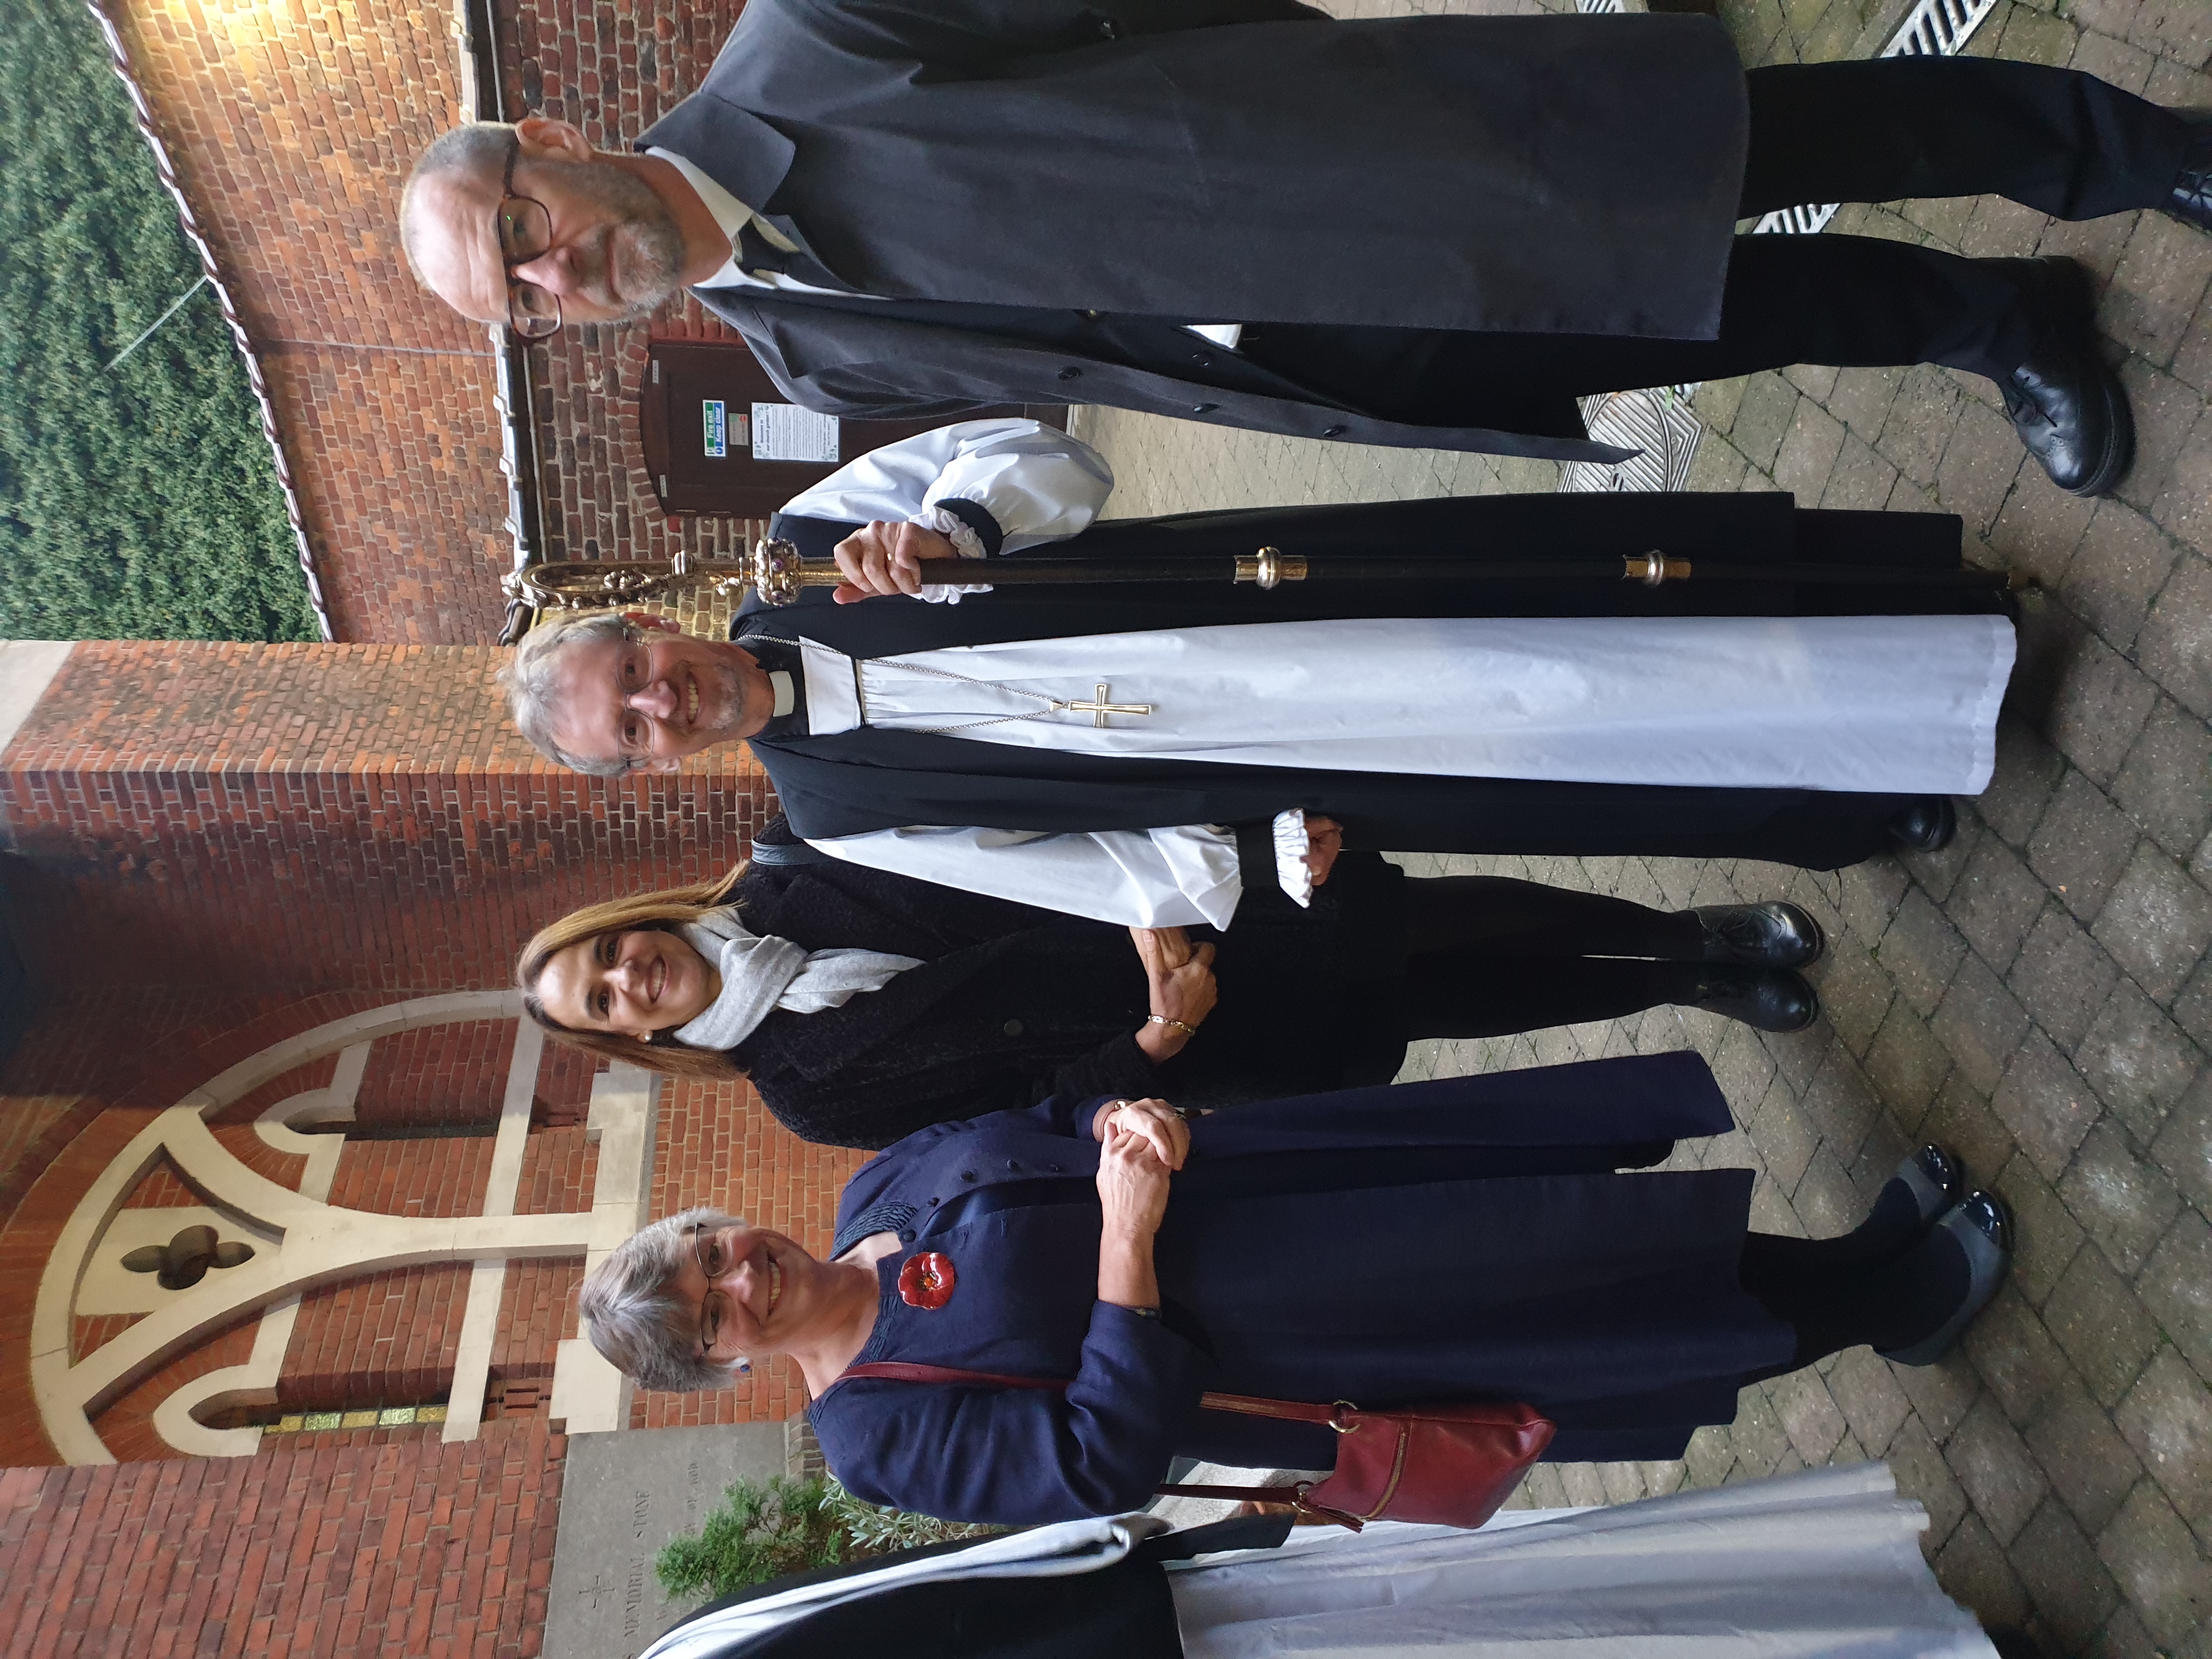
[777, 574]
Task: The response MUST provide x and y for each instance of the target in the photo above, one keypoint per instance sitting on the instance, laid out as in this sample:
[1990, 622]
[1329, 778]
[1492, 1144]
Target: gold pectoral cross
[1098, 708]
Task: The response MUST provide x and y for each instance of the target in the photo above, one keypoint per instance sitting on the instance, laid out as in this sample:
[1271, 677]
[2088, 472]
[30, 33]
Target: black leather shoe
[2192, 201]
[2069, 409]
[1982, 1227]
[1765, 999]
[1926, 826]
[1774, 934]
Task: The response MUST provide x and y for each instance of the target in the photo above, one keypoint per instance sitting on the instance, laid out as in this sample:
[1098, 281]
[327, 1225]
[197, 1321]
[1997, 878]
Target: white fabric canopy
[1822, 1564]
[1825, 1563]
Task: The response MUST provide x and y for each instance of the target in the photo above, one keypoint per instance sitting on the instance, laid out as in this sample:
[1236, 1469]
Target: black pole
[1024, 572]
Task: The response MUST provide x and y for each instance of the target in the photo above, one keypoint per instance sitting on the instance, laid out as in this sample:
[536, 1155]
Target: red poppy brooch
[926, 1280]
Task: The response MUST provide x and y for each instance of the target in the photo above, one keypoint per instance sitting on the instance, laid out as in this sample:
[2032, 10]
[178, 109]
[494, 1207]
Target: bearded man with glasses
[1424, 232]
[564, 239]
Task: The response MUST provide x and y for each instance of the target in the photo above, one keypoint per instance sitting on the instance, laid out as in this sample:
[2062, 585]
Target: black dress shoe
[2192, 201]
[1926, 826]
[1765, 999]
[1774, 934]
[2069, 410]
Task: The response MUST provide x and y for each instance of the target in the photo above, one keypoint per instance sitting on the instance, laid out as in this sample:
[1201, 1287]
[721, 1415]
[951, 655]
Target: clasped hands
[1140, 1143]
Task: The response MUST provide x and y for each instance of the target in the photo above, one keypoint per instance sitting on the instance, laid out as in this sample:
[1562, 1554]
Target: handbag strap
[900, 1370]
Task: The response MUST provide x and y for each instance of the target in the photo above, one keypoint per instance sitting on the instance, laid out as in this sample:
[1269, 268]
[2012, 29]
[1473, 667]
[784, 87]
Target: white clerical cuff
[965, 542]
[1291, 845]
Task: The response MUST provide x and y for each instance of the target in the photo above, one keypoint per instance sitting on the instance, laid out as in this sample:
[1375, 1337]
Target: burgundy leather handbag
[1448, 1464]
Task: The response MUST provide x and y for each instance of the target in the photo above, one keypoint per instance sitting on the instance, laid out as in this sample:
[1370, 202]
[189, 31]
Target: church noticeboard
[622, 1496]
[720, 439]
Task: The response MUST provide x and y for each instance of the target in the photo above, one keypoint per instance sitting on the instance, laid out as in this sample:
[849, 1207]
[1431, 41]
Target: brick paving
[2037, 996]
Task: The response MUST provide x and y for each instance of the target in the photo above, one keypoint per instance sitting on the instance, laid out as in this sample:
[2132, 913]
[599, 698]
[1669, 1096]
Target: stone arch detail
[311, 1241]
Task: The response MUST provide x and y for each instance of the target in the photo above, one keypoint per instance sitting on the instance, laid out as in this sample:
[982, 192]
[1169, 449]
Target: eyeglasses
[714, 1262]
[630, 673]
[525, 232]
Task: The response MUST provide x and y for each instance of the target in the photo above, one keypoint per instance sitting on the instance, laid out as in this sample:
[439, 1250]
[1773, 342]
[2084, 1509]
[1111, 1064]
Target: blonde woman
[864, 1004]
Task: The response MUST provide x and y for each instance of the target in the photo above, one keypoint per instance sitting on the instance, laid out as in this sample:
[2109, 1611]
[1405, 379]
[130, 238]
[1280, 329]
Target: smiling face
[652, 701]
[751, 1291]
[632, 984]
[613, 250]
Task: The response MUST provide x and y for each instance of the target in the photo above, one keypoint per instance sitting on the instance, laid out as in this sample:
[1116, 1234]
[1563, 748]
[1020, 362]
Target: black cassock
[851, 782]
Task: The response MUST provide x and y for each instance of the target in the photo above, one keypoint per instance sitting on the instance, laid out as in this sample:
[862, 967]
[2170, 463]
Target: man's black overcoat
[851, 782]
[1210, 160]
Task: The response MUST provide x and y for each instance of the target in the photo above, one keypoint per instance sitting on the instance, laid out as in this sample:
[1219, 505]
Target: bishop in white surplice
[1880, 705]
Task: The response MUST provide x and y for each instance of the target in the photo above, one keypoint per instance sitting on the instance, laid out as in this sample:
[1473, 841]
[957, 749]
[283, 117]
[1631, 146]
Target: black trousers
[1487, 956]
[1480, 955]
[1882, 129]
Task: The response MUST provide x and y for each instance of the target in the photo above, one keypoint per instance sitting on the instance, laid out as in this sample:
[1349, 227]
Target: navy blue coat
[1460, 1239]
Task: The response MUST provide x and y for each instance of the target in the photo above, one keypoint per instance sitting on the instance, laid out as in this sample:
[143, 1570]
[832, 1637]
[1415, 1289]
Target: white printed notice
[784, 432]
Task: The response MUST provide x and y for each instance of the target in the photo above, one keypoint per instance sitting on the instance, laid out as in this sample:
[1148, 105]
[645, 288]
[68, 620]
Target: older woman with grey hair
[1016, 1324]
[643, 1330]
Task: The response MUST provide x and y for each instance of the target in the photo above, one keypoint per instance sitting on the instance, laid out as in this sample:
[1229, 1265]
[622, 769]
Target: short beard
[730, 683]
[640, 224]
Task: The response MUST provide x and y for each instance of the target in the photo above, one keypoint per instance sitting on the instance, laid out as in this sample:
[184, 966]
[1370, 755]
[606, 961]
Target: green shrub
[138, 502]
[757, 1533]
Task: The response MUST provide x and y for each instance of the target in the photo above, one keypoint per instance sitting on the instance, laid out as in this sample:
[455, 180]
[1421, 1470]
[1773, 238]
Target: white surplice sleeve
[1035, 483]
[1174, 878]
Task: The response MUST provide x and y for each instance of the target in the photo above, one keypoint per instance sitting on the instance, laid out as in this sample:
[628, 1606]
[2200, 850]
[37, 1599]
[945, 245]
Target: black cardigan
[1014, 1003]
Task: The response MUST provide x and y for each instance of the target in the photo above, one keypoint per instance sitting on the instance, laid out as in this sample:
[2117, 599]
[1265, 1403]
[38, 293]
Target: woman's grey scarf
[761, 974]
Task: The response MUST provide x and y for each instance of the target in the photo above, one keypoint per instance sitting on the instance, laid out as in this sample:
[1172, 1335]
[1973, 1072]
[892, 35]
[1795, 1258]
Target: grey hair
[636, 1325]
[473, 147]
[530, 678]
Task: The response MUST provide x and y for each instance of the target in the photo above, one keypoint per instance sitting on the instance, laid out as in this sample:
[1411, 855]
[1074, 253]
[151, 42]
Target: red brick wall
[291, 129]
[126, 1427]
[436, 1074]
[300, 1079]
[442, 1175]
[403, 1549]
[362, 816]
[564, 1086]
[220, 847]
[384, 1339]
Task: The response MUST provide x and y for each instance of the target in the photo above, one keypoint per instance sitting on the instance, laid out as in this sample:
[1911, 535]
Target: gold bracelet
[1162, 1019]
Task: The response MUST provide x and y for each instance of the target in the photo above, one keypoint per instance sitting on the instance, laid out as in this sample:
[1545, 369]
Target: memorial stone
[622, 1497]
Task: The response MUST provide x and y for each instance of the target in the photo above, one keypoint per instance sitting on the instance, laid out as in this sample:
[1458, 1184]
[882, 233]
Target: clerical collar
[780, 660]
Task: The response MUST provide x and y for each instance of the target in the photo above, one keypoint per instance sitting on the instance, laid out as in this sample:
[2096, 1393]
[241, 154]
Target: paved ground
[2039, 996]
